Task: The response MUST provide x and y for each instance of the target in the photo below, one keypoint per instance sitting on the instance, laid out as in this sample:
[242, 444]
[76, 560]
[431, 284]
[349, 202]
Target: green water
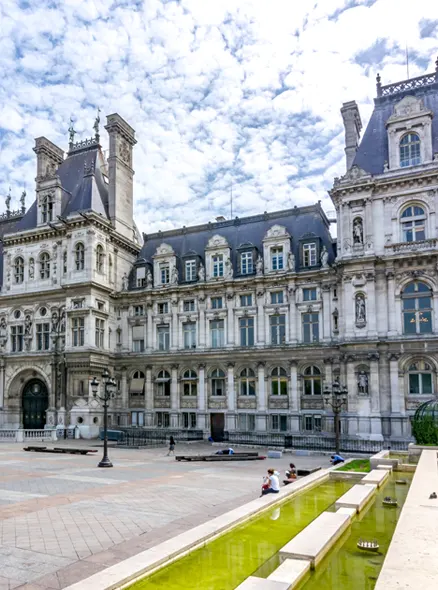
[348, 568]
[223, 564]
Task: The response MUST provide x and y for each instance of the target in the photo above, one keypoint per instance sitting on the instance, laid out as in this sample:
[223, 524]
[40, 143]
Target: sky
[236, 97]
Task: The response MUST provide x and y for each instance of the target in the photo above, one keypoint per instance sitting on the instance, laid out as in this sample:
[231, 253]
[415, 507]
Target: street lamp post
[335, 396]
[109, 384]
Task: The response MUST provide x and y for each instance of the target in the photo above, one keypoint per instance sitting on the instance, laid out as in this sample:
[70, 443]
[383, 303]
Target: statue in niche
[362, 382]
[125, 282]
[28, 326]
[228, 269]
[291, 262]
[201, 272]
[149, 280]
[3, 332]
[358, 231]
[31, 268]
[259, 266]
[174, 280]
[324, 257]
[360, 309]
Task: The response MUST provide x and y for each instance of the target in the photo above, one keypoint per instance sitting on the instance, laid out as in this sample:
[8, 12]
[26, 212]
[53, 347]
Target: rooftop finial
[8, 202]
[378, 85]
[96, 126]
[71, 134]
[23, 202]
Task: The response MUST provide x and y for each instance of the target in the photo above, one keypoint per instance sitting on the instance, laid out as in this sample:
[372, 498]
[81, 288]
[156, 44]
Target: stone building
[239, 325]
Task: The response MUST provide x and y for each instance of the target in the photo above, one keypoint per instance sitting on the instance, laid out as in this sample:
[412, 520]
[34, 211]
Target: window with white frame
[246, 422]
[246, 300]
[99, 337]
[79, 256]
[163, 307]
[100, 255]
[309, 254]
[17, 334]
[216, 302]
[413, 224]
[138, 310]
[189, 334]
[190, 383]
[163, 337]
[217, 331]
[47, 209]
[137, 418]
[190, 270]
[279, 422]
[140, 274]
[277, 258]
[217, 378]
[188, 420]
[247, 382]
[138, 339]
[19, 270]
[162, 383]
[420, 378]
[410, 154]
[417, 308]
[278, 381]
[164, 273]
[310, 327]
[246, 263]
[246, 328]
[43, 336]
[277, 297]
[312, 381]
[162, 419]
[78, 331]
[45, 265]
[310, 294]
[278, 328]
[189, 305]
[217, 262]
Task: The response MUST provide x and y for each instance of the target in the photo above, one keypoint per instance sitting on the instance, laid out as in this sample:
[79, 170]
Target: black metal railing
[137, 437]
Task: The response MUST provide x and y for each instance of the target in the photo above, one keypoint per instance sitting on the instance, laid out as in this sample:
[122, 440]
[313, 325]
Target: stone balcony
[312, 402]
[161, 401]
[407, 247]
[247, 402]
[278, 402]
[189, 401]
[217, 402]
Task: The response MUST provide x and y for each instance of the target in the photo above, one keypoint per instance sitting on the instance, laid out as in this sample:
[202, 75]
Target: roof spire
[378, 85]
[96, 126]
[71, 135]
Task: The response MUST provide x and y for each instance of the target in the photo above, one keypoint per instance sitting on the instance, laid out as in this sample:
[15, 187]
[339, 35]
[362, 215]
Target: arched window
[413, 222]
[420, 378]
[163, 383]
[45, 265]
[19, 270]
[417, 308]
[217, 382]
[247, 382]
[312, 381]
[99, 258]
[190, 382]
[410, 150]
[278, 381]
[138, 375]
[80, 256]
[47, 209]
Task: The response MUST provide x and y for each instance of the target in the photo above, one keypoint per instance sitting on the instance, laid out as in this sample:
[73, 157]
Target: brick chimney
[353, 125]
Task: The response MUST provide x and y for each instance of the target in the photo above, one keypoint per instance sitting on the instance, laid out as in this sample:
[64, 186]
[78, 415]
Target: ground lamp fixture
[109, 392]
[335, 396]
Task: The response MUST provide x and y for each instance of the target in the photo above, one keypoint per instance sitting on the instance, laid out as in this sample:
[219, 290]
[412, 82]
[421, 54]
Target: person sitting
[336, 459]
[228, 451]
[272, 482]
[291, 474]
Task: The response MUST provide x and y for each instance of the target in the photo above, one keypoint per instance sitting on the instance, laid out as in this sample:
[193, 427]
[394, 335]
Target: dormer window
[277, 258]
[410, 150]
[246, 265]
[309, 254]
[413, 222]
[218, 265]
[80, 256]
[190, 270]
[164, 274]
[47, 209]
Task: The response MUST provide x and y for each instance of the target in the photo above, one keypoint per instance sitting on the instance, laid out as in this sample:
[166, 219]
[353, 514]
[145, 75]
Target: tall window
[417, 308]
[247, 382]
[190, 270]
[163, 308]
[410, 150]
[245, 300]
[413, 222]
[138, 338]
[190, 383]
[163, 383]
[43, 336]
[420, 378]
[17, 338]
[99, 336]
[162, 419]
[218, 265]
[78, 328]
[277, 297]
[80, 256]
[216, 303]
[309, 254]
[138, 310]
[140, 273]
[278, 329]
[99, 258]
[164, 274]
[47, 209]
[217, 332]
[312, 381]
[277, 259]
[312, 423]
[310, 327]
[246, 326]
[278, 381]
[189, 305]
[19, 270]
[246, 265]
[279, 422]
[309, 294]
[189, 333]
[45, 265]
[137, 418]
[163, 334]
[188, 420]
[217, 382]
[247, 422]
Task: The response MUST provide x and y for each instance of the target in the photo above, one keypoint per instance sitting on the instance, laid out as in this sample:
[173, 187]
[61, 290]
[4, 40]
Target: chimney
[49, 157]
[353, 125]
[220, 218]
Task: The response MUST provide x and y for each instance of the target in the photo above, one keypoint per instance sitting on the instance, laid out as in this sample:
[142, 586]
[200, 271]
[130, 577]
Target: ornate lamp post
[335, 396]
[109, 384]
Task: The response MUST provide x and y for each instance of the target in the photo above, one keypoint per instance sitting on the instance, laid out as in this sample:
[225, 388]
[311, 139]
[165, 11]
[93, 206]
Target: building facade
[238, 325]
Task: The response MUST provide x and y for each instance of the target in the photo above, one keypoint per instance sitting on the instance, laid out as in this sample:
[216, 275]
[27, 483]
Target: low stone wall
[414, 451]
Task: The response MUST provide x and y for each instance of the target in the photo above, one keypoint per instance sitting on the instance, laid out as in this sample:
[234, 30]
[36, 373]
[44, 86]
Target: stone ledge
[376, 476]
[253, 583]
[291, 571]
[356, 497]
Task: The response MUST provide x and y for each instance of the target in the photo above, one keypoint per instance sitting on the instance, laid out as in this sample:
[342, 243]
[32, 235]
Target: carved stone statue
[31, 268]
[28, 326]
[291, 262]
[259, 266]
[125, 282]
[362, 382]
[149, 279]
[8, 200]
[357, 231]
[201, 272]
[228, 269]
[174, 279]
[360, 309]
[324, 257]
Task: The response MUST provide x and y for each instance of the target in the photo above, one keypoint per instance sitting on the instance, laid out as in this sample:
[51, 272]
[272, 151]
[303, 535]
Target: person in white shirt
[273, 483]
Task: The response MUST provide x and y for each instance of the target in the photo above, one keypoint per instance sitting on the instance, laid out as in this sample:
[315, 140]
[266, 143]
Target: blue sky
[244, 94]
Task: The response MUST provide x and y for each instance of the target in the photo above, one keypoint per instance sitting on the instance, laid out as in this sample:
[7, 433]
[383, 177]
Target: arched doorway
[35, 404]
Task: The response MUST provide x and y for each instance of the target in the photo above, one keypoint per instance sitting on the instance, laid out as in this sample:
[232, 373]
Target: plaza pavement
[63, 519]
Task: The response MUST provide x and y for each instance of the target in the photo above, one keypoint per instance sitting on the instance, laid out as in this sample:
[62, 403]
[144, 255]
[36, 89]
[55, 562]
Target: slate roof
[81, 191]
[373, 149]
[300, 222]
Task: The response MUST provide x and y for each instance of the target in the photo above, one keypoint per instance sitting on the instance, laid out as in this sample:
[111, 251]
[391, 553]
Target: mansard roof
[84, 188]
[298, 222]
[373, 149]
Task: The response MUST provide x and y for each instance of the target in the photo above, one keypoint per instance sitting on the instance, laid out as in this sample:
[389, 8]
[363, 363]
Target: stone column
[174, 397]
[391, 303]
[374, 393]
[202, 416]
[348, 309]
[396, 398]
[124, 391]
[292, 316]
[2, 383]
[261, 398]
[149, 398]
[381, 304]
[352, 400]
[231, 394]
[326, 312]
[371, 311]
[261, 338]
[294, 398]
[202, 340]
[230, 321]
[174, 326]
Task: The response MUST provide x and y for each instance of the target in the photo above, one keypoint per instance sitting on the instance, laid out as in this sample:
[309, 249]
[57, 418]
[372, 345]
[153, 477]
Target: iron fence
[137, 437]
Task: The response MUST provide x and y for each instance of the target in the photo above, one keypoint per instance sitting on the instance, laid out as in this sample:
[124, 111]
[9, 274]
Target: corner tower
[121, 174]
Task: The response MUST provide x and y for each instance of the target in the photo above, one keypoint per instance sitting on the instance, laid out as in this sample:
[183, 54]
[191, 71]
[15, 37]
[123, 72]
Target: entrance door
[35, 404]
[217, 426]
